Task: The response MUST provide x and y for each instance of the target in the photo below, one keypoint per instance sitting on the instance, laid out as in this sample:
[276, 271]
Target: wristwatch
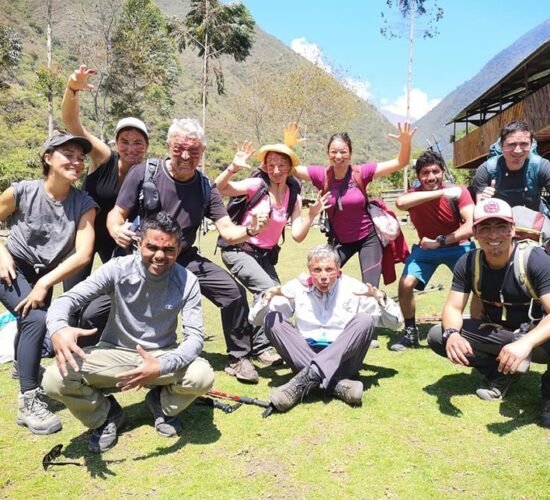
[448, 332]
[441, 240]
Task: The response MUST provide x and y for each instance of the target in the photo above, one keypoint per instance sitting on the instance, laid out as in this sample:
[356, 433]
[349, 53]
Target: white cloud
[313, 53]
[420, 104]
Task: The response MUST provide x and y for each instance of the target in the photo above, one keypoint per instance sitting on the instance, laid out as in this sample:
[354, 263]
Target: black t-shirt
[510, 182]
[182, 200]
[495, 281]
[103, 186]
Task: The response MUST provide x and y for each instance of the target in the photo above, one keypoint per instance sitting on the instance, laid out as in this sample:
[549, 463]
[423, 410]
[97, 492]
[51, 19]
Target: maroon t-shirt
[182, 200]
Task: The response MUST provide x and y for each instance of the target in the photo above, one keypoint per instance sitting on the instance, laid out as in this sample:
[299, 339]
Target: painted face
[494, 237]
[159, 251]
[515, 149]
[324, 273]
[185, 156]
[431, 177]
[131, 146]
[66, 161]
[339, 153]
[278, 166]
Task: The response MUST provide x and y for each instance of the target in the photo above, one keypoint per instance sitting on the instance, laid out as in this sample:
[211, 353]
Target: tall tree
[11, 50]
[214, 29]
[409, 10]
[144, 66]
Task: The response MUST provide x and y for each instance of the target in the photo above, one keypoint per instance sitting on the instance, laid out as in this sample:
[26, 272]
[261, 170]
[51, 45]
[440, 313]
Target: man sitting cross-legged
[335, 320]
[138, 346]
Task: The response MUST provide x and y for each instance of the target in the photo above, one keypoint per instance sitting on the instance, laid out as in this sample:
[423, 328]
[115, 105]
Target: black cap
[60, 138]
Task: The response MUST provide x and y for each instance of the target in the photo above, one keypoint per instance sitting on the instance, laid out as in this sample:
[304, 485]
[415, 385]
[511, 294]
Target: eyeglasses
[487, 229]
[512, 146]
[52, 455]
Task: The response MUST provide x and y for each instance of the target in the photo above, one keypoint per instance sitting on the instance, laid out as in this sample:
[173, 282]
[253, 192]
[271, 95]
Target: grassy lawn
[421, 433]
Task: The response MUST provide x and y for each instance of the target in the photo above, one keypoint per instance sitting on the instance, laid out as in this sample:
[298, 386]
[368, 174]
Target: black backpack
[237, 206]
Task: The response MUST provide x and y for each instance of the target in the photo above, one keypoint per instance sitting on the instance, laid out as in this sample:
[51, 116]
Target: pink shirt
[270, 234]
[352, 223]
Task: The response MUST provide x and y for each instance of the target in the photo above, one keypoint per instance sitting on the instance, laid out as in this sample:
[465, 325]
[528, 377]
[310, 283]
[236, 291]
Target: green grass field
[421, 433]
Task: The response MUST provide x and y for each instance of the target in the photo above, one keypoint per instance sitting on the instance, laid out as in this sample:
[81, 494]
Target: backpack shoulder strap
[521, 258]
[151, 168]
[476, 268]
[356, 174]
[329, 179]
[295, 189]
[206, 188]
[257, 196]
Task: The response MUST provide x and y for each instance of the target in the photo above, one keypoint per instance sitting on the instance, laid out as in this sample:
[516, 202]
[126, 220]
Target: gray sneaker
[286, 396]
[165, 426]
[409, 339]
[105, 436]
[269, 357]
[243, 369]
[34, 414]
[349, 391]
[496, 389]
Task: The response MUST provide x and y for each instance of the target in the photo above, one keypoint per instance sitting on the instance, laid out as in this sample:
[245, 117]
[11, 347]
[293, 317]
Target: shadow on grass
[198, 427]
[457, 384]
[380, 372]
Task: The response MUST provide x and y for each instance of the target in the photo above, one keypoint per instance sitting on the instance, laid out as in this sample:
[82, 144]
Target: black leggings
[31, 329]
[370, 256]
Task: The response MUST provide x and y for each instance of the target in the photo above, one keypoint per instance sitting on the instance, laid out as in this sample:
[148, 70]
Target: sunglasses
[54, 453]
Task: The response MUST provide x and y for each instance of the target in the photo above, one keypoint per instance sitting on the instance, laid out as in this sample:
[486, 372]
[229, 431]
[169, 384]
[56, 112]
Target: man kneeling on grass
[335, 320]
[138, 346]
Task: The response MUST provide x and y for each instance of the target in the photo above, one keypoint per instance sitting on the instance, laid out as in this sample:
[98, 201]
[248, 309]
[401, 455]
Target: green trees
[144, 67]
[10, 54]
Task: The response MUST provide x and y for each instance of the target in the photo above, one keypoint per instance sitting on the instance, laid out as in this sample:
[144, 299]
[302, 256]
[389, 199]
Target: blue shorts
[422, 263]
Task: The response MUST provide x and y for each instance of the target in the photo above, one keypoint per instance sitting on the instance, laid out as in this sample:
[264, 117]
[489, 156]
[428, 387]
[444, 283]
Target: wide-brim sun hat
[131, 122]
[60, 138]
[278, 148]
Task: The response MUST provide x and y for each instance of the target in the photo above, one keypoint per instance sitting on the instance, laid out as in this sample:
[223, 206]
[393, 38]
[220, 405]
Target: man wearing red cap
[503, 342]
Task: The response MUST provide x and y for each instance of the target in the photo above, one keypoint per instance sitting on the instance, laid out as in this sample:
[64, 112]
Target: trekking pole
[239, 399]
[218, 404]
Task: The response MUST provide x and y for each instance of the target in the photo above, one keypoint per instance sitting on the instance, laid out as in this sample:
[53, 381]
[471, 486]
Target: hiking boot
[286, 396]
[545, 414]
[495, 389]
[269, 357]
[349, 391]
[34, 414]
[15, 372]
[408, 340]
[165, 426]
[104, 437]
[243, 369]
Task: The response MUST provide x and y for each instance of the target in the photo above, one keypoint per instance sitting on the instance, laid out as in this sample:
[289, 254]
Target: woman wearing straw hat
[253, 262]
[51, 237]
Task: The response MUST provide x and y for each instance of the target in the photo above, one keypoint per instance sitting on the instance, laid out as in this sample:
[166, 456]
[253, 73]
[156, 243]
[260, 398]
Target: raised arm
[404, 137]
[223, 182]
[70, 113]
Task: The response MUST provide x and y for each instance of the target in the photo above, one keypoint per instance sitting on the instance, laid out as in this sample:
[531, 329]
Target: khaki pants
[83, 392]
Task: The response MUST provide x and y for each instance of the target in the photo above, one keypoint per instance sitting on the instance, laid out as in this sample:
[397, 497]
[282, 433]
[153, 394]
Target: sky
[344, 37]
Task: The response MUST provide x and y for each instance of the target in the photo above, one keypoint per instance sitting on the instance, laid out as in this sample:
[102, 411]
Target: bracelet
[73, 90]
[230, 170]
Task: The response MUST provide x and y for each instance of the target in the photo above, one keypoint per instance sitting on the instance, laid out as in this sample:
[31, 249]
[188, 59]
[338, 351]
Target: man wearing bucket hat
[271, 190]
[511, 332]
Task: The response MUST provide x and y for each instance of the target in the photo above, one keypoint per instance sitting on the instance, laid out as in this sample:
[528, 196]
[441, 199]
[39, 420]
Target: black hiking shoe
[408, 340]
[286, 396]
[495, 389]
[165, 426]
[105, 436]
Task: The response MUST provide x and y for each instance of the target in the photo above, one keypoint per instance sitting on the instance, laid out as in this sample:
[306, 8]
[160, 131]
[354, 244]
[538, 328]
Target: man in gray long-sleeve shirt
[138, 345]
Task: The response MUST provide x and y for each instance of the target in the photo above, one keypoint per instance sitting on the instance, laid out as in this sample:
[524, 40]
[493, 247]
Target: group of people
[116, 329]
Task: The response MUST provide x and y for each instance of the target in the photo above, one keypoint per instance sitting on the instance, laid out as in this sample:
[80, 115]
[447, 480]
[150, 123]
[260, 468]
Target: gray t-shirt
[43, 231]
[144, 308]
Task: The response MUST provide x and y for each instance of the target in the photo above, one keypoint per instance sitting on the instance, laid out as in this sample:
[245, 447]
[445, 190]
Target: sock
[410, 322]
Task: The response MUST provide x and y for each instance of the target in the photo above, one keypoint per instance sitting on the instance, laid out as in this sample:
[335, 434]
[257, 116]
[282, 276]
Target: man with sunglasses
[182, 194]
[503, 342]
[335, 316]
[138, 347]
[516, 174]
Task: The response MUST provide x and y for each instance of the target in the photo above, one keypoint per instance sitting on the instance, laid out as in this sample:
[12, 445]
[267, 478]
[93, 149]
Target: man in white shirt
[335, 316]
